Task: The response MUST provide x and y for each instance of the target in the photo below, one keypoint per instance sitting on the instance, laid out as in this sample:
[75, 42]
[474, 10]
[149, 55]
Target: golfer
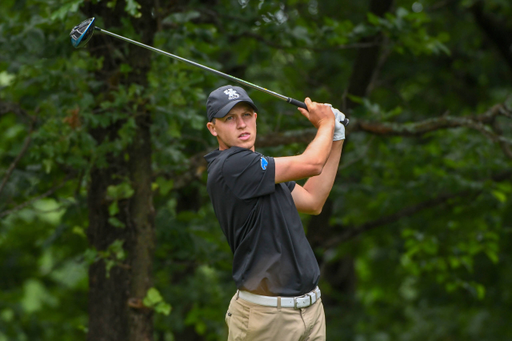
[257, 201]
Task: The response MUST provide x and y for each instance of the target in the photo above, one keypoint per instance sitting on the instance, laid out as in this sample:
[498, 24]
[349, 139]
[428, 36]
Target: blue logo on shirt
[264, 163]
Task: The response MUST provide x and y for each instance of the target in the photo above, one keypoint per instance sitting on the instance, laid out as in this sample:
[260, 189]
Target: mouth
[244, 136]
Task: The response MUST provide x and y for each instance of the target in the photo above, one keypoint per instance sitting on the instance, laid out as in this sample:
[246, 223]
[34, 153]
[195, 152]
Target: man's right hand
[312, 161]
[318, 113]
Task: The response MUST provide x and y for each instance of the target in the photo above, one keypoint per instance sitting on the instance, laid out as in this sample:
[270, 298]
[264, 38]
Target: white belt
[286, 302]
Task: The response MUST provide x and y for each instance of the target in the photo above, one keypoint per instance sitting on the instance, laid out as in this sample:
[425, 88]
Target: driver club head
[82, 33]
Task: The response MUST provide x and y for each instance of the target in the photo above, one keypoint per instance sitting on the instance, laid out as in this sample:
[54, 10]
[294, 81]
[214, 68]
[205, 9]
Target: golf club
[83, 32]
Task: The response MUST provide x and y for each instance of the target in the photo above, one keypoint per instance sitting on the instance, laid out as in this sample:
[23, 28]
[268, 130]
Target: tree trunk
[497, 32]
[116, 312]
[366, 62]
[107, 295]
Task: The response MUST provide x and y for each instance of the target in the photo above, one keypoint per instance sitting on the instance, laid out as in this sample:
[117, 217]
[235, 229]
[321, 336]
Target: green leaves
[431, 266]
[115, 194]
[36, 296]
[119, 192]
[450, 261]
[113, 255]
[408, 31]
[6, 79]
[66, 7]
[163, 185]
[155, 301]
[133, 7]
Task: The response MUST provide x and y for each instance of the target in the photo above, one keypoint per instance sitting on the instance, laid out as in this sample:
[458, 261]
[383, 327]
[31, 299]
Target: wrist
[327, 124]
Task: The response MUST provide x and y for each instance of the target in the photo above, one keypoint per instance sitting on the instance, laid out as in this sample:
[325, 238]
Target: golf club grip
[297, 103]
[304, 106]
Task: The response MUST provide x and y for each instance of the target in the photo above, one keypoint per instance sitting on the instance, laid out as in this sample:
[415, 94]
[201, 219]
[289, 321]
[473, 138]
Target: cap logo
[231, 94]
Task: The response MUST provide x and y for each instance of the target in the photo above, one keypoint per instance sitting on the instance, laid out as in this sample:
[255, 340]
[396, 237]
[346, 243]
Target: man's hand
[317, 113]
[339, 128]
[312, 161]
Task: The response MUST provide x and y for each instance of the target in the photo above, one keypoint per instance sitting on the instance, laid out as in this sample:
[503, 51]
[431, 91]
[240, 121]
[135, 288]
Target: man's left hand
[339, 128]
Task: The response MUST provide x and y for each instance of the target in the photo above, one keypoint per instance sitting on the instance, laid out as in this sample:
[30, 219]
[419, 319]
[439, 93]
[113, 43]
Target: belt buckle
[311, 294]
[295, 301]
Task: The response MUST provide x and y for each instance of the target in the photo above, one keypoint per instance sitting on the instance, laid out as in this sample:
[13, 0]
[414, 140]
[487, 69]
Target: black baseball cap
[223, 99]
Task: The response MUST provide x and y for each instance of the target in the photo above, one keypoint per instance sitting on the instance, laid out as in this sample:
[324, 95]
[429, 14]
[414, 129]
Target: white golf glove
[339, 128]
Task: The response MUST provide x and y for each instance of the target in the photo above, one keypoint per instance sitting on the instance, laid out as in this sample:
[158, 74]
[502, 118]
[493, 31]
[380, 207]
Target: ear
[211, 128]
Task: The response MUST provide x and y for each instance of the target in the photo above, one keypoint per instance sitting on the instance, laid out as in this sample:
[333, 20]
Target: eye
[229, 118]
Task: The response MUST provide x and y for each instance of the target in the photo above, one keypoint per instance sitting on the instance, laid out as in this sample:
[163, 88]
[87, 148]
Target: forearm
[318, 151]
[312, 161]
[320, 186]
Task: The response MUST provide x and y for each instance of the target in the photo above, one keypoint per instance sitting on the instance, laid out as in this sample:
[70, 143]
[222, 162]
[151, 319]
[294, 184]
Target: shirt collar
[212, 155]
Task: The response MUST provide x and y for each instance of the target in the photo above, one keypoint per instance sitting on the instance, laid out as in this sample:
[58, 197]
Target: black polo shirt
[271, 255]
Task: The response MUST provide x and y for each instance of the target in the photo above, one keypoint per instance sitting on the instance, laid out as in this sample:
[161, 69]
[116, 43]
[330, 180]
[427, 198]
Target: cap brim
[227, 108]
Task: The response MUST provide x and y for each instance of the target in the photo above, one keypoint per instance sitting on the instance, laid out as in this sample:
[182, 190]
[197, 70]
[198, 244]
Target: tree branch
[368, 60]
[443, 122]
[197, 163]
[496, 31]
[504, 146]
[29, 202]
[261, 39]
[351, 232]
[7, 108]
[477, 122]
[26, 143]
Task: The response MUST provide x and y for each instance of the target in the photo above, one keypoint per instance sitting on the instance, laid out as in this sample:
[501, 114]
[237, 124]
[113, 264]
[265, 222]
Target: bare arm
[314, 158]
[311, 198]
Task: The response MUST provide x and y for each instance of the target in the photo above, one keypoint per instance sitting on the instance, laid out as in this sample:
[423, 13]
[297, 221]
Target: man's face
[237, 128]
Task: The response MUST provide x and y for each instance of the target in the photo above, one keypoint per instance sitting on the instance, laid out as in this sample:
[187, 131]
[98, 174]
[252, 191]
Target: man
[257, 202]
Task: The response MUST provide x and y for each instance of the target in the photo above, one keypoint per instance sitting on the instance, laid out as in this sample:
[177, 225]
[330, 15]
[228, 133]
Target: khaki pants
[253, 322]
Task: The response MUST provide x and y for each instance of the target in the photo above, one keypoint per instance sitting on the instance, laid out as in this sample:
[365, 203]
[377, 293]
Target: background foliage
[415, 241]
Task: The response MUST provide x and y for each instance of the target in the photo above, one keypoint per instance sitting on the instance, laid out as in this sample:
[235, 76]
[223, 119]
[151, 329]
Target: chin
[246, 145]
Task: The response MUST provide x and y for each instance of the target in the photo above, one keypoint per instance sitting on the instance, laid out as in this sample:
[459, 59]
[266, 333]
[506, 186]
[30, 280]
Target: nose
[240, 123]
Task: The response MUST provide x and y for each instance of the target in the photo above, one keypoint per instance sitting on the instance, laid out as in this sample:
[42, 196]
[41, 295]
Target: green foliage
[119, 192]
[440, 273]
[408, 30]
[154, 300]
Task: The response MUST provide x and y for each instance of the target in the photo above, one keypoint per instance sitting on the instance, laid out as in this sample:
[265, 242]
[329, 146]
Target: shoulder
[218, 157]
[246, 173]
[241, 158]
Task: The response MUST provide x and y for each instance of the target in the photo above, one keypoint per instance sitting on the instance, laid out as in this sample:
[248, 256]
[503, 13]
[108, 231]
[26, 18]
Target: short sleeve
[291, 185]
[249, 174]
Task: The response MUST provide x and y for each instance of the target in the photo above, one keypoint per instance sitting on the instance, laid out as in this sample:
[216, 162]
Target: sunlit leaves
[133, 7]
[155, 300]
[65, 8]
[36, 296]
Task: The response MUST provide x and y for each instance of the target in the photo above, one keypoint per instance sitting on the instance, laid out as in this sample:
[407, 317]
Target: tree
[102, 190]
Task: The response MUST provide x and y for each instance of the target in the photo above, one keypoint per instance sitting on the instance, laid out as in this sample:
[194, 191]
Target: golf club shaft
[222, 74]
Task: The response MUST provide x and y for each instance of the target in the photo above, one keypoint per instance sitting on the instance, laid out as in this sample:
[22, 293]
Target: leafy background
[414, 242]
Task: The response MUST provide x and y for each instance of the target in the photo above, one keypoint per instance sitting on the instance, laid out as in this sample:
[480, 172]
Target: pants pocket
[237, 320]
